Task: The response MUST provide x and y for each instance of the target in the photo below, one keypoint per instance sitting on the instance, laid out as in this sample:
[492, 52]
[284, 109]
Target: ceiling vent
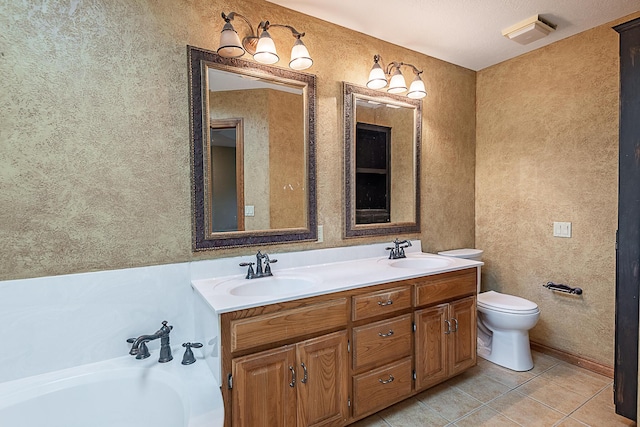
[529, 30]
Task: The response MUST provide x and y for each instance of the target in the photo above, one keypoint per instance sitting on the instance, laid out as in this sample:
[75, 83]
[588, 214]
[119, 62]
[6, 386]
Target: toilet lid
[462, 253]
[506, 303]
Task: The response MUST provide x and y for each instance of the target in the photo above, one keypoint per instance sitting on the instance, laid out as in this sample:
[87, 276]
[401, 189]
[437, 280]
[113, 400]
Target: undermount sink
[420, 263]
[270, 286]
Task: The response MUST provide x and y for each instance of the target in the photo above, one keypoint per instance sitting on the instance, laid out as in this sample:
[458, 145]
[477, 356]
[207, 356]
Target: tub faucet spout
[139, 346]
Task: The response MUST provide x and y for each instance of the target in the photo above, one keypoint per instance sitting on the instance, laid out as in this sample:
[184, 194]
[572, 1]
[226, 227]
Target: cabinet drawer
[382, 342]
[288, 324]
[381, 387]
[381, 302]
[446, 286]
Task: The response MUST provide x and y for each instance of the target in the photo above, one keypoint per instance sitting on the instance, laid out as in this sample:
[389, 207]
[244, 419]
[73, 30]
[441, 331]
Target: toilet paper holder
[563, 288]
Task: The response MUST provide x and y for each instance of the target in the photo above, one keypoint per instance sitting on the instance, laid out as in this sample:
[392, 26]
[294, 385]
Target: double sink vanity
[329, 344]
[323, 341]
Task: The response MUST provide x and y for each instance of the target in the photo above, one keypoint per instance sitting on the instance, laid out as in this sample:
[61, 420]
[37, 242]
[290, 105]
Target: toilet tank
[474, 254]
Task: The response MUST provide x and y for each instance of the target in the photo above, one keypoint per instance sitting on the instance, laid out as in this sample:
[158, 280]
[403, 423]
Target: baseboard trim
[573, 359]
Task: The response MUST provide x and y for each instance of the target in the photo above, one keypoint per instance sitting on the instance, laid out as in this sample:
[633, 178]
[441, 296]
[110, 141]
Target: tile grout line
[564, 416]
[590, 399]
[486, 404]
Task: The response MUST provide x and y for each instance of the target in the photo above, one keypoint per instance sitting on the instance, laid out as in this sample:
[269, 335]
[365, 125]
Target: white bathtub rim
[203, 403]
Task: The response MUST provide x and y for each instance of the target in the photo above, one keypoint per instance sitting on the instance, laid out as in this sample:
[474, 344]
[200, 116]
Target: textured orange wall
[95, 159]
[547, 150]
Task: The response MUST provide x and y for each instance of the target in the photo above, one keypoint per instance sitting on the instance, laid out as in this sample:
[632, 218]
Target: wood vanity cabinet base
[303, 362]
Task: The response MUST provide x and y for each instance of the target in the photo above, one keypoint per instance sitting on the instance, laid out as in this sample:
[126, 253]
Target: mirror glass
[382, 161]
[253, 152]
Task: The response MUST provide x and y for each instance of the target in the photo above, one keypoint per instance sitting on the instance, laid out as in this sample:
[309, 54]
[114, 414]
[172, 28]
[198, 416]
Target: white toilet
[504, 322]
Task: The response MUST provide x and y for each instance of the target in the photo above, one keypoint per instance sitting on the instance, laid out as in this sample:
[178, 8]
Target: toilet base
[508, 349]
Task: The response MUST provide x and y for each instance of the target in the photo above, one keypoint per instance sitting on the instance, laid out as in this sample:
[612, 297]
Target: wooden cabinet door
[264, 393]
[322, 367]
[462, 340]
[431, 345]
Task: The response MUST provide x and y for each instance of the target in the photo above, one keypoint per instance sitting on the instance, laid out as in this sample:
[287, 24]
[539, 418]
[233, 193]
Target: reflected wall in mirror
[226, 181]
[382, 162]
[253, 148]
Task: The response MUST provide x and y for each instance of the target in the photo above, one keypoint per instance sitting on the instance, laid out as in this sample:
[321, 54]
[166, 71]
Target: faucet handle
[250, 273]
[267, 265]
[188, 357]
[392, 252]
[143, 351]
[133, 351]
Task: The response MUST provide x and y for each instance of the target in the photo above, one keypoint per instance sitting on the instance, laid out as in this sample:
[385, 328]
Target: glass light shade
[230, 46]
[377, 78]
[417, 89]
[300, 58]
[397, 83]
[266, 50]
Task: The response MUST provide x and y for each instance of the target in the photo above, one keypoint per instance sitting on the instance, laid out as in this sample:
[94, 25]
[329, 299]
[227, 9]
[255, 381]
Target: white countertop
[320, 279]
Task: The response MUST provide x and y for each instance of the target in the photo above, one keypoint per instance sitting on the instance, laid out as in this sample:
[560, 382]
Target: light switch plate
[320, 234]
[249, 210]
[561, 229]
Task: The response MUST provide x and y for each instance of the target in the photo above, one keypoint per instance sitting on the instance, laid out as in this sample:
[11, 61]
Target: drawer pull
[390, 380]
[455, 321]
[293, 377]
[388, 334]
[385, 303]
[448, 331]
[305, 376]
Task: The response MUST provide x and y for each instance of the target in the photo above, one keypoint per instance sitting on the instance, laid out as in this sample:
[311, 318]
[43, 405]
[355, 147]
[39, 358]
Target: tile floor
[553, 393]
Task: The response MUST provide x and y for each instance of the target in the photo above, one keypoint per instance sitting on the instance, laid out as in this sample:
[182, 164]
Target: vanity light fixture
[261, 47]
[380, 77]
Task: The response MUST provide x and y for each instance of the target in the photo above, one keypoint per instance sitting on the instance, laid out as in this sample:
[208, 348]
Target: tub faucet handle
[143, 351]
[188, 357]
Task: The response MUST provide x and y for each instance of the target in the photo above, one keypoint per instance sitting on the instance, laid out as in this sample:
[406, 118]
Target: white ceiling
[463, 32]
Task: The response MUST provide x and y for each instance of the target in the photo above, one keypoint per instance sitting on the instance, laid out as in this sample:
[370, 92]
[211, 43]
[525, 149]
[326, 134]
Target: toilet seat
[492, 300]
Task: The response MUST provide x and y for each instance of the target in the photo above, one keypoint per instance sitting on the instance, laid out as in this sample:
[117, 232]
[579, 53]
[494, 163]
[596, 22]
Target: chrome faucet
[139, 348]
[397, 251]
[263, 266]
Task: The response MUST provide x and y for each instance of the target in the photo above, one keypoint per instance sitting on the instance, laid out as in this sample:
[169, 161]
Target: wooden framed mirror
[382, 139]
[253, 152]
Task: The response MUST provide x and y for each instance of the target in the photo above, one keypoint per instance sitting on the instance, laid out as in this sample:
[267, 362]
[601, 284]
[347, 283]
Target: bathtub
[122, 392]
